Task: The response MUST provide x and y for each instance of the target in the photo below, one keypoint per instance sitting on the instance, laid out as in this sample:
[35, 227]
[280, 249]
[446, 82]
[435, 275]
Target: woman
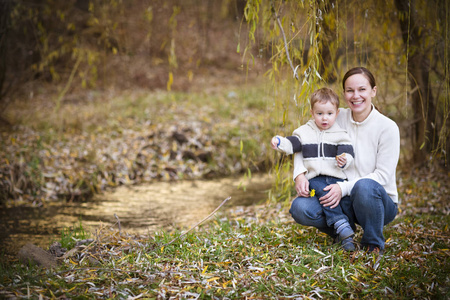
[369, 197]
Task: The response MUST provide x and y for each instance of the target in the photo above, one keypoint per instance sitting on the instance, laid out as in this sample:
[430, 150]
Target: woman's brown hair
[359, 70]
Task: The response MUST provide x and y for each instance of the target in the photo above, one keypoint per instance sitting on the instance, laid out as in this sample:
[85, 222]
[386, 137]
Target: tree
[5, 10]
[420, 23]
[388, 37]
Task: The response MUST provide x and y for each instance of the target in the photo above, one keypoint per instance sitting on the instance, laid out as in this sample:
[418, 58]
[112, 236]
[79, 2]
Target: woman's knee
[364, 186]
[365, 196]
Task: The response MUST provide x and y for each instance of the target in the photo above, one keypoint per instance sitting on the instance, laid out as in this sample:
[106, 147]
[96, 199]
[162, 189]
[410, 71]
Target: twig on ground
[209, 216]
[118, 222]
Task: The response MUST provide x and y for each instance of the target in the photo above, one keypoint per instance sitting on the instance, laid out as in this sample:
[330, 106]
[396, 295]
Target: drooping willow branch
[277, 17]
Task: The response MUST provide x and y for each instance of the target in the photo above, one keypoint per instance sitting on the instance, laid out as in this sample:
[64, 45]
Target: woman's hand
[302, 185]
[333, 197]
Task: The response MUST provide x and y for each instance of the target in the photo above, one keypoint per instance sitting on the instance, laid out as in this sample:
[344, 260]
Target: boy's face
[324, 114]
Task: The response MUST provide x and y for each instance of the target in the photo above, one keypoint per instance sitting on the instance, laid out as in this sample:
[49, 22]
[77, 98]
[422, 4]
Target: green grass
[70, 235]
[258, 253]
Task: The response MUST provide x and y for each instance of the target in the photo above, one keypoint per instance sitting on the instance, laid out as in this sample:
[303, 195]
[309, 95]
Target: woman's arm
[385, 160]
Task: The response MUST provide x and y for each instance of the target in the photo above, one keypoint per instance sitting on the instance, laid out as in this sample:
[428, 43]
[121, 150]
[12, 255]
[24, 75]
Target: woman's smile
[358, 93]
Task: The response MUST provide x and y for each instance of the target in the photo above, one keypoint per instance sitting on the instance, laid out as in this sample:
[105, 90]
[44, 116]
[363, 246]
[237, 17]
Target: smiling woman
[369, 197]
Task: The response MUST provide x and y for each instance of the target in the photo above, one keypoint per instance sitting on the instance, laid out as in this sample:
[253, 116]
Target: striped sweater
[319, 149]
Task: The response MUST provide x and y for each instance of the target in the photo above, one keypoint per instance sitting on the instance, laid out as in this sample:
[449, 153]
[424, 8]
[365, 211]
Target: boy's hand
[274, 142]
[341, 160]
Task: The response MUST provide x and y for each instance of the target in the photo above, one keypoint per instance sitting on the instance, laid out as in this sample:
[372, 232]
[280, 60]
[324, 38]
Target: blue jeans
[332, 215]
[368, 205]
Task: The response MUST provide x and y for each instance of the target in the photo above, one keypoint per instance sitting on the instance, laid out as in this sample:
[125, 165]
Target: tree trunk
[424, 109]
[5, 11]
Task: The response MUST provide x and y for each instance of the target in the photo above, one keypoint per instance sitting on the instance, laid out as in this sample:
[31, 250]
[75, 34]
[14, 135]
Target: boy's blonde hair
[324, 95]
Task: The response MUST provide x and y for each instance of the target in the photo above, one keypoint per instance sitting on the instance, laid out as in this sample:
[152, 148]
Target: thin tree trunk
[424, 109]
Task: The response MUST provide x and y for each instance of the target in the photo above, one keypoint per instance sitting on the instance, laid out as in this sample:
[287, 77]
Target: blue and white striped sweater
[319, 149]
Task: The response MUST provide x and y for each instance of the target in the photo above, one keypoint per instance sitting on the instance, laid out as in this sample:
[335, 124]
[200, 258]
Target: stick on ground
[209, 216]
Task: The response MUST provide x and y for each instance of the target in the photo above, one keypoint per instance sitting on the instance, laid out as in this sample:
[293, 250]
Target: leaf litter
[253, 252]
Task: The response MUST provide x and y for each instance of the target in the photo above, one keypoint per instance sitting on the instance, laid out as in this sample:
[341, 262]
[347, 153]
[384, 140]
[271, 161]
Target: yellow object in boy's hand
[312, 192]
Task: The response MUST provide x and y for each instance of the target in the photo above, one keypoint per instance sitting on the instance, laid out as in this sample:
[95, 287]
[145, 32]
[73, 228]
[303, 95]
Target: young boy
[327, 152]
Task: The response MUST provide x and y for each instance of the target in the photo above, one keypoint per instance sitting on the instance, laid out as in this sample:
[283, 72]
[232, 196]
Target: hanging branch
[277, 17]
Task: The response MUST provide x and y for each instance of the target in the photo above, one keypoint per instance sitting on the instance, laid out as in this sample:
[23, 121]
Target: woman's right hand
[302, 185]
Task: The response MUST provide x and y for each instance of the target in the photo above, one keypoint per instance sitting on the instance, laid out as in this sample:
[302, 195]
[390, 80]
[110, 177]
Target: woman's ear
[374, 91]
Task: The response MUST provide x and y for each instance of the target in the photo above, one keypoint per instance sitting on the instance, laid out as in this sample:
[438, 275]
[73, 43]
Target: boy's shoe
[348, 244]
[345, 234]
[343, 229]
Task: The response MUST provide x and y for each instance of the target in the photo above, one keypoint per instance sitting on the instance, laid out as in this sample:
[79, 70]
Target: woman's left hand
[333, 197]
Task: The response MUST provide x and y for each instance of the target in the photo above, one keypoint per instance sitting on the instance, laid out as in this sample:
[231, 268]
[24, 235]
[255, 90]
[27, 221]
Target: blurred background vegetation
[77, 77]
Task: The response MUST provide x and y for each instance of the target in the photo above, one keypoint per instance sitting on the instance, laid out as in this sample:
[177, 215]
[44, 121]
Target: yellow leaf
[190, 75]
[170, 81]
[354, 278]
[71, 289]
[212, 279]
[162, 249]
[204, 270]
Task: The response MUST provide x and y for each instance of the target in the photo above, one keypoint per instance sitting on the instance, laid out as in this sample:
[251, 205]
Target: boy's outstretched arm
[287, 145]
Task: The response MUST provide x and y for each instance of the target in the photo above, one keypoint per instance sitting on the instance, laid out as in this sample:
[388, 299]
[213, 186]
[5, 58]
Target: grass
[256, 252]
[70, 235]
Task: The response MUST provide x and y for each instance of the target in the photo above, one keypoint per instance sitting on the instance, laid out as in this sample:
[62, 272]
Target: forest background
[97, 94]
[64, 66]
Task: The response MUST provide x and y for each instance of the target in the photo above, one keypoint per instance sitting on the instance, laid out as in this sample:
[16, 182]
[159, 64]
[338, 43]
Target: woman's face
[358, 93]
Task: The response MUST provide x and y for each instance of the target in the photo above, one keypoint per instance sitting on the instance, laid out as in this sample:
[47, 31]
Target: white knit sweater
[319, 149]
[376, 142]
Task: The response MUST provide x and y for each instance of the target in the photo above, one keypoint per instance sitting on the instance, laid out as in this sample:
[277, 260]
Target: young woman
[369, 197]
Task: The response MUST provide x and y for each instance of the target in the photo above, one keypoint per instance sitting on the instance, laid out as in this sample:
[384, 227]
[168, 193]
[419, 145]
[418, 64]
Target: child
[327, 152]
